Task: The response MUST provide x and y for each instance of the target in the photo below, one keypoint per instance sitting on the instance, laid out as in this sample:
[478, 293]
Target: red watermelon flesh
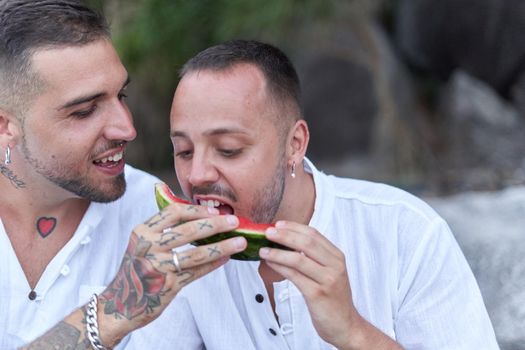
[253, 232]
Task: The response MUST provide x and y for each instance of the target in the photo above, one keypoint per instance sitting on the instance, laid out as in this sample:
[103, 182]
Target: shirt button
[85, 240]
[272, 331]
[32, 295]
[65, 270]
[259, 298]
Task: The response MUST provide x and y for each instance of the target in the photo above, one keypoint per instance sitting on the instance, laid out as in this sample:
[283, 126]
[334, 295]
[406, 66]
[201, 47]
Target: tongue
[225, 209]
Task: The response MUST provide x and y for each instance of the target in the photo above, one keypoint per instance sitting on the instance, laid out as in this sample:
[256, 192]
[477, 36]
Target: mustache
[216, 190]
[107, 147]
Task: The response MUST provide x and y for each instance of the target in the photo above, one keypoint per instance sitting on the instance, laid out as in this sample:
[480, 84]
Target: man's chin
[105, 193]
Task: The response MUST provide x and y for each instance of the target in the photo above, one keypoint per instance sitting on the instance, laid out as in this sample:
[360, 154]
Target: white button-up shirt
[407, 274]
[85, 265]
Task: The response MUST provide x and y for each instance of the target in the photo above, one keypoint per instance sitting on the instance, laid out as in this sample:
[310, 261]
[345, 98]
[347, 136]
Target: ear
[9, 129]
[299, 137]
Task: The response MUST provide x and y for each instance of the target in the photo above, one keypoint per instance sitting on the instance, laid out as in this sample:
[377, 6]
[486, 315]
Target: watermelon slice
[254, 233]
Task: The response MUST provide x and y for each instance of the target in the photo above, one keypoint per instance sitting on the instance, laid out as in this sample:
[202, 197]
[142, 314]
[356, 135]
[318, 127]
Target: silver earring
[293, 170]
[7, 155]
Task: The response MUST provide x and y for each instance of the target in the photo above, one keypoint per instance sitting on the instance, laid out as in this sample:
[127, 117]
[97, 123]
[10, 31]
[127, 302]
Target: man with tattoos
[372, 267]
[69, 203]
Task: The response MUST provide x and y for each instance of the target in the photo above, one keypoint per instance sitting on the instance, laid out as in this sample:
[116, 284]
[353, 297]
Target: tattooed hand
[147, 279]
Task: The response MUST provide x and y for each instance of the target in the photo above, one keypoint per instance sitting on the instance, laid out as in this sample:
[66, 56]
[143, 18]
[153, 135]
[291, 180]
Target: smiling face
[227, 146]
[75, 132]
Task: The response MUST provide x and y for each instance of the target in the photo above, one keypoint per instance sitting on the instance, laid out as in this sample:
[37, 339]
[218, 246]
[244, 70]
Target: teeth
[114, 158]
[211, 203]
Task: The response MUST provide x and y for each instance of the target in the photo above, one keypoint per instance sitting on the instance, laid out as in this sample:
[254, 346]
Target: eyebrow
[84, 99]
[213, 132]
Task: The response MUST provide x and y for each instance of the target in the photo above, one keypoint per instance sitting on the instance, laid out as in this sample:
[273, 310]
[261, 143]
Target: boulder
[484, 134]
[358, 99]
[482, 37]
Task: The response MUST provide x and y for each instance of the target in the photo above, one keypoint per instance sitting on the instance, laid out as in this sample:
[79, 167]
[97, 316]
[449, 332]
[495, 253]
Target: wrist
[112, 329]
[364, 335]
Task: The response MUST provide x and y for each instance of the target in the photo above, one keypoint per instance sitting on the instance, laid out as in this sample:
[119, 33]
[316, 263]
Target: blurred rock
[358, 98]
[485, 148]
[518, 95]
[482, 37]
[490, 228]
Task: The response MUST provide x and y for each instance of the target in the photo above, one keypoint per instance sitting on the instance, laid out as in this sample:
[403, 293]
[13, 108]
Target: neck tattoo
[45, 225]
[12, 177]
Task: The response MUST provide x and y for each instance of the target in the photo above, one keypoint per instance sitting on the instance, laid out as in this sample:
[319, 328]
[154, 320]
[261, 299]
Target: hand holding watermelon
[252, 232]
[148, 278]
[318, 269]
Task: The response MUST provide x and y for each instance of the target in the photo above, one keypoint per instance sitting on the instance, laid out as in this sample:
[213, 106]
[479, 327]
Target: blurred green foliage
[156, 37]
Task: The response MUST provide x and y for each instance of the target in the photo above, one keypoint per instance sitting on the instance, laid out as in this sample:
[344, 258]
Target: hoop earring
[7, 160]
[293, 170]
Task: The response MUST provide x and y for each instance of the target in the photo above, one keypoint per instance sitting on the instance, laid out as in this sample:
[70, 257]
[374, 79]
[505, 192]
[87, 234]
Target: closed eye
[230, 152]
[184, 154]
[84, 113]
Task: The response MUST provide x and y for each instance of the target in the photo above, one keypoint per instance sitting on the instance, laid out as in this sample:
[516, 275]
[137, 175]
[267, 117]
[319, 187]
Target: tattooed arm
[147, 279]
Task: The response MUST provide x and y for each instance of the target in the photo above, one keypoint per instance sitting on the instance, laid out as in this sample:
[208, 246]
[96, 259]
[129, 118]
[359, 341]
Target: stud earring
[293, 170]
[7, 155]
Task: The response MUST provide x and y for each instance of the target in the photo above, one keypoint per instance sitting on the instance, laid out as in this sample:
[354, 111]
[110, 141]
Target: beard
[78, 184]
[82, 188]
[269, 197]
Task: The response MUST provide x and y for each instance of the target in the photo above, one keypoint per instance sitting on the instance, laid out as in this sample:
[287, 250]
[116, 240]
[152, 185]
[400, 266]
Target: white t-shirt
[407, 274]
[85, 265]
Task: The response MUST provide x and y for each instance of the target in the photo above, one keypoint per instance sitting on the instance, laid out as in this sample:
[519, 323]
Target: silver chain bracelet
[92, 324]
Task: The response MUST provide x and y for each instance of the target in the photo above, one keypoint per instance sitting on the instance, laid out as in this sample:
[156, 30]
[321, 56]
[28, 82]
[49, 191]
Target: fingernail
[271, 231]
[239, 242]
[232, 220]
[280, 224]
[213, 210]
[263, 252]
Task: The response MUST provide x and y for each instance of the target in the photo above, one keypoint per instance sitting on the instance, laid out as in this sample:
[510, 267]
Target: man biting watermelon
[369, 265]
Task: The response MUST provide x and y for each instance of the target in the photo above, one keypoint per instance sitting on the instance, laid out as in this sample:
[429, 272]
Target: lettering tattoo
[61, 337]
[137, 288]
[15, 181]
[45, 225]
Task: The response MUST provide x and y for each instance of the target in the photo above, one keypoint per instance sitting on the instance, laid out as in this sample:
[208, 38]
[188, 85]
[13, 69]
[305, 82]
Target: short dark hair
[279, 72]
[29, 25]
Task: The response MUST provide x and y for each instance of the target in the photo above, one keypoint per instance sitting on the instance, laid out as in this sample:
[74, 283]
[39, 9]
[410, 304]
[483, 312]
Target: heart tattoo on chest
[45, 226]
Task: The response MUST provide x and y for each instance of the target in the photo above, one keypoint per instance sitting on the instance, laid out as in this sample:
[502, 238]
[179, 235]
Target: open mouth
[111, 161]
[213, 203]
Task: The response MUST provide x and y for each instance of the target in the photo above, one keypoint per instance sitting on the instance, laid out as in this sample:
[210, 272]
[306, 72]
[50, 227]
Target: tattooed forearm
[8, 173]
[61, 337]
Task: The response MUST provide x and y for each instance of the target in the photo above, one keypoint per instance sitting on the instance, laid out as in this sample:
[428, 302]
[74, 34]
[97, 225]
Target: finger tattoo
[168, 236]
[205, 224]
[186, 275]
[214, 251]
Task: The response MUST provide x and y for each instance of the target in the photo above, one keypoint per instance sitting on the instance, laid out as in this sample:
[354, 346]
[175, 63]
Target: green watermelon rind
[255, 240]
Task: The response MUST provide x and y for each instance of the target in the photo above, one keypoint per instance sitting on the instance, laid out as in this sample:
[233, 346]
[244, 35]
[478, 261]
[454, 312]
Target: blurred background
[426, 95]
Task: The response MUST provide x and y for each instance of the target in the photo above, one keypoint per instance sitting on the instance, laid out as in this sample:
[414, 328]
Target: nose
[202, 171]
[120, 126]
